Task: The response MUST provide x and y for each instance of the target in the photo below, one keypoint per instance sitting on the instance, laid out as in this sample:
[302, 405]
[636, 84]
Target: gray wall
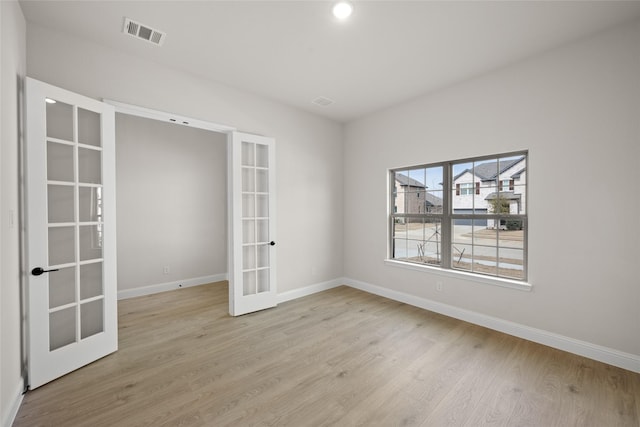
[576, 109]
[13, 36]
[171, 201]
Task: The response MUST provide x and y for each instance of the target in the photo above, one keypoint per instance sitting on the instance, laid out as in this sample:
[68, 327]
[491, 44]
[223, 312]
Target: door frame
[229, 131]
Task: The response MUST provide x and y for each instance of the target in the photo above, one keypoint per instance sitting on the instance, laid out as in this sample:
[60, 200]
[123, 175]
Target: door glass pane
[263, 280]
[248, 154]
[263, 256]
[90, 242]
[248, 179]
[248, 231]
[262, 206]
[90, 280]
[248, 257]
[262, 156]
[62, 328]
[248, 206]
[59, 162]
[262, 227]
[90, 201]
[62, 287]
[60, 203]
[88, 127]
[60, 121]
[89, 170]
[249, 282]
[61, 245]
[91, 318]
[262, 180]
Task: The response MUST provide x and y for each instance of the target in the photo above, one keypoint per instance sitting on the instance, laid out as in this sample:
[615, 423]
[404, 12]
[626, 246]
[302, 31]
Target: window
[472, 217]
[464, 189]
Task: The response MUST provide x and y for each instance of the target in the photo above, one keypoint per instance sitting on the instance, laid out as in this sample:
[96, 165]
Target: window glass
[465, 215]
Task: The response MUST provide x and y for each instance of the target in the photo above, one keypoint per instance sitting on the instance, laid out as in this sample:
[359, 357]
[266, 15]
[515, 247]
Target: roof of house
[432, 200]
[507, 195]
[489, 170]
[405, 180]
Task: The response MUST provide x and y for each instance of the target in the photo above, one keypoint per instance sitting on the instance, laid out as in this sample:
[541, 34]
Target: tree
[501, 205]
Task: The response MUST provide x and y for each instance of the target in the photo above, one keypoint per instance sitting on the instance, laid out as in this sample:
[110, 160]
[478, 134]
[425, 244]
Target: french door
[252, 250]
[71, 248]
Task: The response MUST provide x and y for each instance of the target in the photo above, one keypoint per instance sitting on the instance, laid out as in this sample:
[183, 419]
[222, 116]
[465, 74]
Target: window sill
[462, 275]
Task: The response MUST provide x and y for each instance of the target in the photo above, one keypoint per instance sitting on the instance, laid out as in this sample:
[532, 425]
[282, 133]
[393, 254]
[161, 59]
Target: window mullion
[445, 225]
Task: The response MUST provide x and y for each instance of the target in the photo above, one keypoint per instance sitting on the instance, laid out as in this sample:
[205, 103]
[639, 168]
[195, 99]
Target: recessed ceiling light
[50, 101]
[342, 9]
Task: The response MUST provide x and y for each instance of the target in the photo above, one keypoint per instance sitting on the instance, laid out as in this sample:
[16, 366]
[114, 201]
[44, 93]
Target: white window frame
[447, 218]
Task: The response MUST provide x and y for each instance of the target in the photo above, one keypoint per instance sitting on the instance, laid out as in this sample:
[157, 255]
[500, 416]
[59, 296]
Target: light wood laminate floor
[341, 357]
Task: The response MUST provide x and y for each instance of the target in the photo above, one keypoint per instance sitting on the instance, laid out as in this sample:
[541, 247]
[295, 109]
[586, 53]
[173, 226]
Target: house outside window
[472, 216]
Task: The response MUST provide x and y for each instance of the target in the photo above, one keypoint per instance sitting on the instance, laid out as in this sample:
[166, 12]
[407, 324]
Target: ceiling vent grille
[322, 101]
[143, 32]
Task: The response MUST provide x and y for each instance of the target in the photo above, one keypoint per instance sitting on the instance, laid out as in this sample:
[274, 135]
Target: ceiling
[296, 51]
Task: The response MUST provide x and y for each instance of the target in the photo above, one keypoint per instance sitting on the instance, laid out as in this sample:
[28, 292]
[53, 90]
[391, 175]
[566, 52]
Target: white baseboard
[607, 355]
[309, 290]
[10, 417]
[170, 286]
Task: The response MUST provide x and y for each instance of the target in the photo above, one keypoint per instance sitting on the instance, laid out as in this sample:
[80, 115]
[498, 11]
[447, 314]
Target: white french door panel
[252, 250]
[70, 231]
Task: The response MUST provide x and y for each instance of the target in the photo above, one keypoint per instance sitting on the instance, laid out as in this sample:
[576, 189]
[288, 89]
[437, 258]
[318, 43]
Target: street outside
[488, 251]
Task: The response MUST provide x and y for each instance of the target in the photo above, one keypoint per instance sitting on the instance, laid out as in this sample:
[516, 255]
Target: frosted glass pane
[248, 154]
[62, 287]
[262, 227]
[262, 156]
[262, 180]
[248, 179]
[90, 200]
[88, 127]
[91, 318]
[90, 280]
[248, 231]
[263, 256]
[59, 162]
[263, 281]
[60, 121]
[89, 166]
[62, 328]
[248, 206]
[61, 245]
[60, 203]
[248, 257]
[249, 283]
[90, 242]
[262, 206]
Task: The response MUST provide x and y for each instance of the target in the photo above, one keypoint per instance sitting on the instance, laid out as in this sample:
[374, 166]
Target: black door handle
[272, 243]
[39, 270]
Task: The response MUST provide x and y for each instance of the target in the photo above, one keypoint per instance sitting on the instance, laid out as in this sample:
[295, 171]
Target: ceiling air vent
[322, 101]
[141, 31]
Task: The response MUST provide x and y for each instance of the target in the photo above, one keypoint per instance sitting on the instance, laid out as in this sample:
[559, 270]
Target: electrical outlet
[439, 285]
[165, 269]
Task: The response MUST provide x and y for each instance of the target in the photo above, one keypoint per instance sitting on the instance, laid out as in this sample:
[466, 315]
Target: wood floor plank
[338, 358]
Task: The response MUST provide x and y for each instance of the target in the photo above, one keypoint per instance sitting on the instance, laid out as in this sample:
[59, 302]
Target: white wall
[171, 202]
[308, 148]
[13, 36]
[576, 109]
